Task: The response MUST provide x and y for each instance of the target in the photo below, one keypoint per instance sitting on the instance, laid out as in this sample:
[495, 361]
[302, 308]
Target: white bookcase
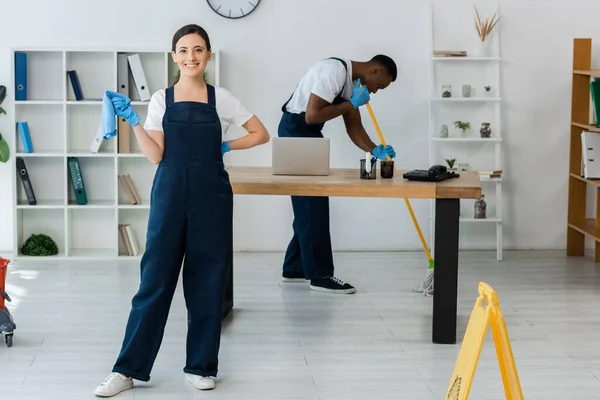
[61, 127]
[477, 70]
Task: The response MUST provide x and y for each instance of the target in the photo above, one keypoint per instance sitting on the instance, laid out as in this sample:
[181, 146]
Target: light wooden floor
[287, 342]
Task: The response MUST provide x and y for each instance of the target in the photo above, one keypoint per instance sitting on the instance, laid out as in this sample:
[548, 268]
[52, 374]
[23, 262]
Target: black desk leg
[445, 282]
[228, 300]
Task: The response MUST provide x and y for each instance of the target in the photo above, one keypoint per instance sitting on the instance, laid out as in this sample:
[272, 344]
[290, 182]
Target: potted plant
[463, 126]
[4, 151]
[450, 162]
[488, 90]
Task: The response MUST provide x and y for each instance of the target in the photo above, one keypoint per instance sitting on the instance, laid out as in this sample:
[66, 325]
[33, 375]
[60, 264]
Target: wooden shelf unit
[579, 225]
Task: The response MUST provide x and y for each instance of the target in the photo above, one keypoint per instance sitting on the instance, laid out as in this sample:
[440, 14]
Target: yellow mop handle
[410, 210]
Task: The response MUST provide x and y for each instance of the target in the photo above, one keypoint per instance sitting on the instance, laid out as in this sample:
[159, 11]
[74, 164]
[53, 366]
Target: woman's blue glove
[382, 153]
[224, 148]
[360, 95]
[123, 108]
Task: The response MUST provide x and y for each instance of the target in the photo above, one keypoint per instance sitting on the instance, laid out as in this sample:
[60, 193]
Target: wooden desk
[346, 183]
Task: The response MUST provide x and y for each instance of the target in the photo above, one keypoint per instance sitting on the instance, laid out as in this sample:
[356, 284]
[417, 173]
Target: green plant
[488, 88]
[39, 245]
[450, 162]
[4, 150]
[462, 125]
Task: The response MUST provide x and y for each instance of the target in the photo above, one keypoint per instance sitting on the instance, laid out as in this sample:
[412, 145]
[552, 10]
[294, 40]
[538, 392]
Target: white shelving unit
[62, 127]
[479, 153]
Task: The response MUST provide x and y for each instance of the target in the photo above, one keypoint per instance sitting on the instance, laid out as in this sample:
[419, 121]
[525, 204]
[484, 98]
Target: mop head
[426, 286]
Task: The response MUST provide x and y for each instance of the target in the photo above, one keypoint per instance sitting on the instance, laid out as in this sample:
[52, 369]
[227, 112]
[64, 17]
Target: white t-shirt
[325, 79]
[230, 109]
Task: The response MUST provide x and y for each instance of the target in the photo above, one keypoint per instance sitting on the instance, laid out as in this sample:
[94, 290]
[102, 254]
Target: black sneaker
[331, 285]
[293, 277]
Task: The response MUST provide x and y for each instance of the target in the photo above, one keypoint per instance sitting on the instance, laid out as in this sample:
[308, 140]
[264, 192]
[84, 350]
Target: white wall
[264, 55]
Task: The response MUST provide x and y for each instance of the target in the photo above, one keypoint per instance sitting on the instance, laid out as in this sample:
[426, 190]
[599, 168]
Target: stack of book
[449, 53]
[496, 174]
[130, 192]
[128, 240]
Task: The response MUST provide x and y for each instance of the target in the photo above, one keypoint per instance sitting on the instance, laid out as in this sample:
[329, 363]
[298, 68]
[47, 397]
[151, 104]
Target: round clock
[233, 9]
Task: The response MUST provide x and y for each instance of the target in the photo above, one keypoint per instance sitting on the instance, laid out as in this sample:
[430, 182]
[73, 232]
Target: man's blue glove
[123, 108]
[360, 95]
[382, 153]
[224, 148]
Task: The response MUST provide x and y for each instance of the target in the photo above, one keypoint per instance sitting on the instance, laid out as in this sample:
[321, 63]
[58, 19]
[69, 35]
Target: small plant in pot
[488, 91]
[450, 162]
[462, 126]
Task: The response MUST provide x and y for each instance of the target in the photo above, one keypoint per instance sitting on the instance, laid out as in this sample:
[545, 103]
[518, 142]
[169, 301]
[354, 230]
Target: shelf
[594, 73]
[587, 127]
[61, 127]
[475, 139]
[465, 58]
[480, 220]
[465, 99]
[595, 182]
[588, 228]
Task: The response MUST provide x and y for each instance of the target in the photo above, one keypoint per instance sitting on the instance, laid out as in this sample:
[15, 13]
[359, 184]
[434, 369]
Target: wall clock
[233, 9]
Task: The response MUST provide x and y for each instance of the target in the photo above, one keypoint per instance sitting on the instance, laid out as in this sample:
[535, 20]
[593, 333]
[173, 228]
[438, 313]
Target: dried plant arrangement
[484, 28]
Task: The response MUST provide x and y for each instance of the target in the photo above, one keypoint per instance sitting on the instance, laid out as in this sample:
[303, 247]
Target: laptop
[300, 156]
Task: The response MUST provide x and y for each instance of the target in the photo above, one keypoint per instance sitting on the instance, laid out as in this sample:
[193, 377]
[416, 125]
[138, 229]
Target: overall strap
[345, 67]
[169, 96]
[211, 95]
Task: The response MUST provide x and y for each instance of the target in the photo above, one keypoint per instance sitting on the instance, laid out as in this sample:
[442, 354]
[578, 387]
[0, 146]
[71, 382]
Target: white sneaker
[200, 382]
[113, 385]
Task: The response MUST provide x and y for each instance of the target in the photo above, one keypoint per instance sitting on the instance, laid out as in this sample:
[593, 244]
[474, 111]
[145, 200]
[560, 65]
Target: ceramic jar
[444, 131]
[466, 90]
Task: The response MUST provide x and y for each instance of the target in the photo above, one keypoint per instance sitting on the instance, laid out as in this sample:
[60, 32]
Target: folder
[20, 76]
[77, 180]
[75, 84]
[590, 144]
[22, 170]
[23, 128]
[97, 142]
[139, 77]
[123, 135]
[123, 75]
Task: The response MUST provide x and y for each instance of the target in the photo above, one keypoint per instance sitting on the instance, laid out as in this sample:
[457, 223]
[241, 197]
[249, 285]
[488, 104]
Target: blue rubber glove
[123, 108]
[360, 95]
[382, 153]
[224, 148]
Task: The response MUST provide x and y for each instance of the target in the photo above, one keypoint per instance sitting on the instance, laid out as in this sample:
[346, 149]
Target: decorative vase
[485, 130]
[480, 208]
[446, 91]
[466, 90]
[485, 48]
[444, 131]
[488, 93]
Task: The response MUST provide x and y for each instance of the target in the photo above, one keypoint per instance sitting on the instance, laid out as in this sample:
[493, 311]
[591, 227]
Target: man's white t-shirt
[325, 79]
[230, 109]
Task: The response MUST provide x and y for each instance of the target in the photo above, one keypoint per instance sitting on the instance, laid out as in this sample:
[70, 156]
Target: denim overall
[191, 214]
[309, 253]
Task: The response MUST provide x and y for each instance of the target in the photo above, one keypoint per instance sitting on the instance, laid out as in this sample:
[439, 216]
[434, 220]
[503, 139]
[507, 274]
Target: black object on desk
[437, 173]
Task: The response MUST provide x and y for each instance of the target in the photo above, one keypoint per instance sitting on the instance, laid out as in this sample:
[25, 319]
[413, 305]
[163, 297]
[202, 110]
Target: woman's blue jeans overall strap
[191, 215]
[309, 252]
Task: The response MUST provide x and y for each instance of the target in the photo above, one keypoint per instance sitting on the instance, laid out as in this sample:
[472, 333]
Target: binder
[23, 128]
[75, 84]
[139, 77]
[590, 144]
[97, 142]
[595, 92]
[77, 180]
[20, 76]
[123, 135]
[123, 75]
[22, 171]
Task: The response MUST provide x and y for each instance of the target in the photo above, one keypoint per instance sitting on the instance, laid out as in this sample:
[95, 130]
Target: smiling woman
[191, 214]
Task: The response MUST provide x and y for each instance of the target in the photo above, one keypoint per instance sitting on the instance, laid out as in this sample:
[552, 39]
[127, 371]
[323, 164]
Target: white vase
[485, 48]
